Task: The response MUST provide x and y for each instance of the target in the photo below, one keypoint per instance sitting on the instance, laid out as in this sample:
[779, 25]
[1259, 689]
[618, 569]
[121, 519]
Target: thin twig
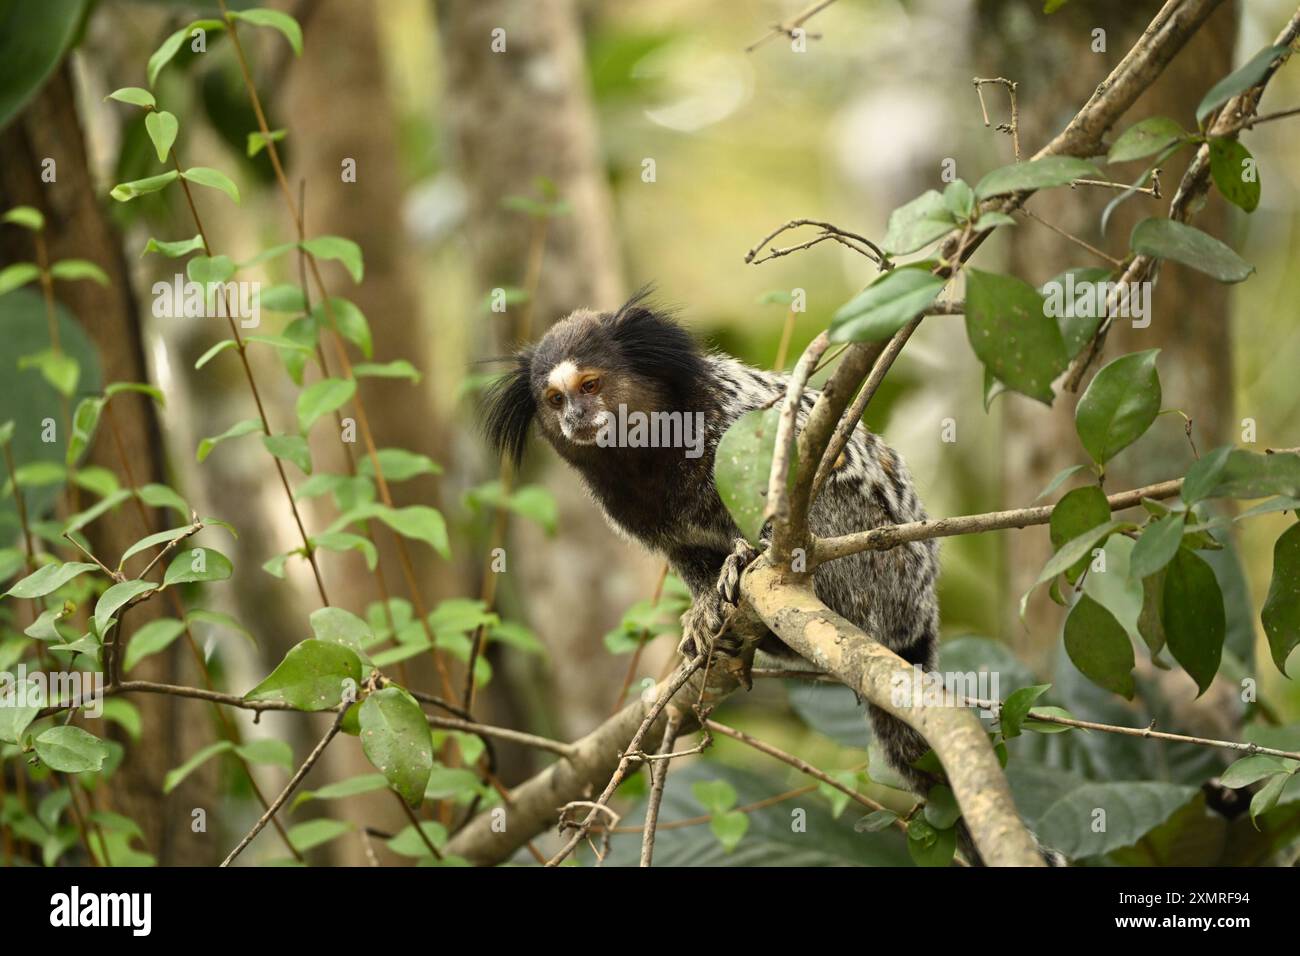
[1012, 128]
[859, 244]
[789, 26]
[292, 785]
[658, 777]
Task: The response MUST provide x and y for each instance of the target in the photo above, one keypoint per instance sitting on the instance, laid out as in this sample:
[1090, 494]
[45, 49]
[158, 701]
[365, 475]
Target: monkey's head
[585, 367]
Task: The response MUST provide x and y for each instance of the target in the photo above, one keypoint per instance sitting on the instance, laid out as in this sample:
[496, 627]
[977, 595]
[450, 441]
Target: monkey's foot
[742, 555]
[705, 631]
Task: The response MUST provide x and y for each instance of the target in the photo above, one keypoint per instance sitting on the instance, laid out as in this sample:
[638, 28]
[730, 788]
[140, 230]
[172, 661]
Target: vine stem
[340, 351]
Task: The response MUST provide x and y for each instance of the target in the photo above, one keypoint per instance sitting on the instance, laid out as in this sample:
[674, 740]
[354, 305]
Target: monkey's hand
[742, 555]
[704, 626]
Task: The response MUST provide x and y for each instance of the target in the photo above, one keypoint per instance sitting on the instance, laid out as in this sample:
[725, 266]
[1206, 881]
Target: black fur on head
[637, 341]
[509, 407]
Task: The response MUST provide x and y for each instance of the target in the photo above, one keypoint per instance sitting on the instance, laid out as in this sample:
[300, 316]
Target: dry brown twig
[788, 27]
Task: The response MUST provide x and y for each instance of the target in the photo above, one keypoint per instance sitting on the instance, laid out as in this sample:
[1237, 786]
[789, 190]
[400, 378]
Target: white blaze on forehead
[563, 375]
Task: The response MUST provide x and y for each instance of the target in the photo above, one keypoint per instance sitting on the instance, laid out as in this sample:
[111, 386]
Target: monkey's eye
[591, 386]
[555, 399]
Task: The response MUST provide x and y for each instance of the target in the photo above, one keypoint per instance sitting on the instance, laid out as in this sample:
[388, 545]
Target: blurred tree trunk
[516, 116]
[77, 227]
[1053, 61]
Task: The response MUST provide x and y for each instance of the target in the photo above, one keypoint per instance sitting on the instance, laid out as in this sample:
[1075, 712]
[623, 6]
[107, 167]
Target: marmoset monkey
[593, 370]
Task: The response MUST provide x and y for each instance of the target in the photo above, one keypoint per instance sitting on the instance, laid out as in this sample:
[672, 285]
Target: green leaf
[1146, 138]
[941, 810]
[337, 626]
[207, 270]
[344, 541]
[742, 465]
[292, 448]
[1203, 477]
[219, 619]
[15, 718]
[276, 20]
[349, 320]
[1077, 512]
[1238, 81]
[717, 796]
[149, 541]
[1281, 612]
[1060, 478]
[237, 430]
[34, 37]
[213, 179]
[321, 398]
[115, 598]
[1119, 405]
[1193, 617]
[174, 777]
[398, 464]
[60, 369]
[1167, 239]
[1035, 174]
[125, 192]
[160, 496]
[162, 128]
[28, 217]
[395, 738]
[409, 843]
[1012, 335]
[419, 522]
[729, 828]
[153, 638]
[1235, 172]
[257, 140]
[930, 847]
[84, 421]
[17, 275]
[1016, 708]
[70, 749]
[876, 821]
[267, 751]
[886, 306]
[1247, 474]
[312, 676]
[198, 564]
[1132, 810]
[337, 248]
[918, 223]
[50, 578]
[398, 369]
[70, 270]
[1070, 553]
[173, 250]
[960, 199]
[282, 298]
[139, 388]
[313, 833]
[133, 95]
[1099, 646]
[213, 352]
[993, 219]
[44, 627]
[1250, 770]
[1157, 546]
[352, 787]
[1268, 796]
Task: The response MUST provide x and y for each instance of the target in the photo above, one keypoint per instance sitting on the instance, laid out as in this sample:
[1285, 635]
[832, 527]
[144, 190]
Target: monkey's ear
[509, 409]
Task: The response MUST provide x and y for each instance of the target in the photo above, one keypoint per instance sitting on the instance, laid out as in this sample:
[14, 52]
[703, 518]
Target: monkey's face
[574, 401]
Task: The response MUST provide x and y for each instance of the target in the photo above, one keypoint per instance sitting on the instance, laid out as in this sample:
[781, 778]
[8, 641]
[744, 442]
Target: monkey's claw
[742, 555]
